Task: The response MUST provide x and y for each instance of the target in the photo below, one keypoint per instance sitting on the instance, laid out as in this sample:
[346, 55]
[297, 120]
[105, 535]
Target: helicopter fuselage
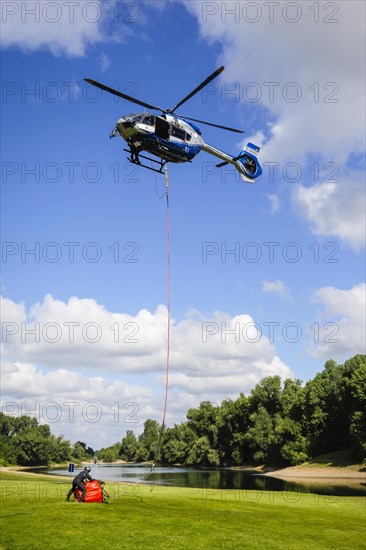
[173, 138]
[168, 137]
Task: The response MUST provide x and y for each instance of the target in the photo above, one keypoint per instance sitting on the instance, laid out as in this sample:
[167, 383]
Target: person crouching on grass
[78, 483]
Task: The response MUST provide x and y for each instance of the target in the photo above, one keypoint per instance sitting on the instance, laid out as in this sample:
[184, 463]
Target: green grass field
[35, 516]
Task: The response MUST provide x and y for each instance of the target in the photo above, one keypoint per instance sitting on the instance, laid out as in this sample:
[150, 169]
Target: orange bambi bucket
[94, 492]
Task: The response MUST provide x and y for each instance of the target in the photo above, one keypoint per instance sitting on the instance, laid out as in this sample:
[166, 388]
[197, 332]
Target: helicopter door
[162, 128]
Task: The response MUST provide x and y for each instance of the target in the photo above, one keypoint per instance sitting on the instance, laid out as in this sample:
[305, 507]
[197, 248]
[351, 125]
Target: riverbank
[24, 471]
[318, 473]
[337, 465]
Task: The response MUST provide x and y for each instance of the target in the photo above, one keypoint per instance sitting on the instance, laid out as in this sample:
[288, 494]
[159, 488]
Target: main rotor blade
[202, 85]
[214, 125]
[124, 96]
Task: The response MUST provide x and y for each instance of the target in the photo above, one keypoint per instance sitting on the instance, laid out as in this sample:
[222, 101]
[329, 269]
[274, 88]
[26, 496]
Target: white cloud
[305, 63]
[50, 356]
[231, 383]
[275, 203]
[277, 287]
[83, 334]
[335, 209]
[311, 82]
[62, 27]
[95, 409]
[104, 61]
[341, 326]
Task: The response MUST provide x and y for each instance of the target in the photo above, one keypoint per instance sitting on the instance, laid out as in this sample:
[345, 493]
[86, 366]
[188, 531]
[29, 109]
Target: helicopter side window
[177, 132]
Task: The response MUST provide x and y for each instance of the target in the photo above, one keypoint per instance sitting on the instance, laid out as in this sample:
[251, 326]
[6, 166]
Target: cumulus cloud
[228, 384]
[96, 409]
[305, 93]
[104, 61]
[79, 351]
[61, 27]
[288, 58]
[83, 334]
[275, 203]
[335, 208]
[277, 287]
[341, 327]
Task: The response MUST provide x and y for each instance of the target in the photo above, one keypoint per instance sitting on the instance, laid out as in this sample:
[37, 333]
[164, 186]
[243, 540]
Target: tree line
[279, 422]
[25, 442]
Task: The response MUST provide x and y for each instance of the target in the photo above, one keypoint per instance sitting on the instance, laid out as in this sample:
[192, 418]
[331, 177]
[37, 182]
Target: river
[207, 478]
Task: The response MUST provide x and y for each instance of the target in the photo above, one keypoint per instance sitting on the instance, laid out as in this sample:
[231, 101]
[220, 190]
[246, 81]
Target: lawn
[35, 516]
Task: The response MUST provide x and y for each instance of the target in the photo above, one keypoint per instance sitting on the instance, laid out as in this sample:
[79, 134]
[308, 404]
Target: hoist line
[168, 255]
[168, 329]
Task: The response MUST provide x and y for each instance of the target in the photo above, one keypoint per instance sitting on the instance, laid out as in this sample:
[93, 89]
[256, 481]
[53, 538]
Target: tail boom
[246, 162]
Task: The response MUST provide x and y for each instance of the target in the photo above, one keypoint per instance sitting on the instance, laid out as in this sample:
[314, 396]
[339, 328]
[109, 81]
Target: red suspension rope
[168, 341]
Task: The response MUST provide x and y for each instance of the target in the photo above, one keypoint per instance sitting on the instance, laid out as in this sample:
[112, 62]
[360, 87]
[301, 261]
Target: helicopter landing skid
[134, 158]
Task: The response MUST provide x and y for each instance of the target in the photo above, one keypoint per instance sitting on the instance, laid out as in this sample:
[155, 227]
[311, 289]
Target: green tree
[292, 443]
[78, 452]
[143, 454]
[8, 455]
[326, 417]
[354, 376]
[6, 425]
[177, 442]
[32, 448]
[261, 436]
[128, 447]
[232, 421]
[87, 450]
[293, 400]
[202, 453]
[109, 456]
[203, 421]
[149, 440]
[267, 394]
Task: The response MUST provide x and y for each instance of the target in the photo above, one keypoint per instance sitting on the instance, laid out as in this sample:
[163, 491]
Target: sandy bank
[325, 473]
[23, 470]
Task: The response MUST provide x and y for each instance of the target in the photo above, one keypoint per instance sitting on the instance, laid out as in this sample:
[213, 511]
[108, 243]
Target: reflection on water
[216, 479]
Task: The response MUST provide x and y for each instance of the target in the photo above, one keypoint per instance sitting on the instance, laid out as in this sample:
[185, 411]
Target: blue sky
[97, 225]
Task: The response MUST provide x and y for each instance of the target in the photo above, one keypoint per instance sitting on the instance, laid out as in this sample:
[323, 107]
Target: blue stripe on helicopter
[252, 146]
[195, 128]
[189, 151]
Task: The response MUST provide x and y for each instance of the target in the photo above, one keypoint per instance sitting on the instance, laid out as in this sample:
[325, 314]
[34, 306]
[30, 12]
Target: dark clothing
[82, 477]
[78, 483]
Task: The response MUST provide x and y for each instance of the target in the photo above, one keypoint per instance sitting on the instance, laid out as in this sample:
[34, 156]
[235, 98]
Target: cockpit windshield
[145, 118]
[149, 120]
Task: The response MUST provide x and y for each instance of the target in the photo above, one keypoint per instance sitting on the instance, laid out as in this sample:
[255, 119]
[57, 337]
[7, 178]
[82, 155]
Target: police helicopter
[174, 138]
